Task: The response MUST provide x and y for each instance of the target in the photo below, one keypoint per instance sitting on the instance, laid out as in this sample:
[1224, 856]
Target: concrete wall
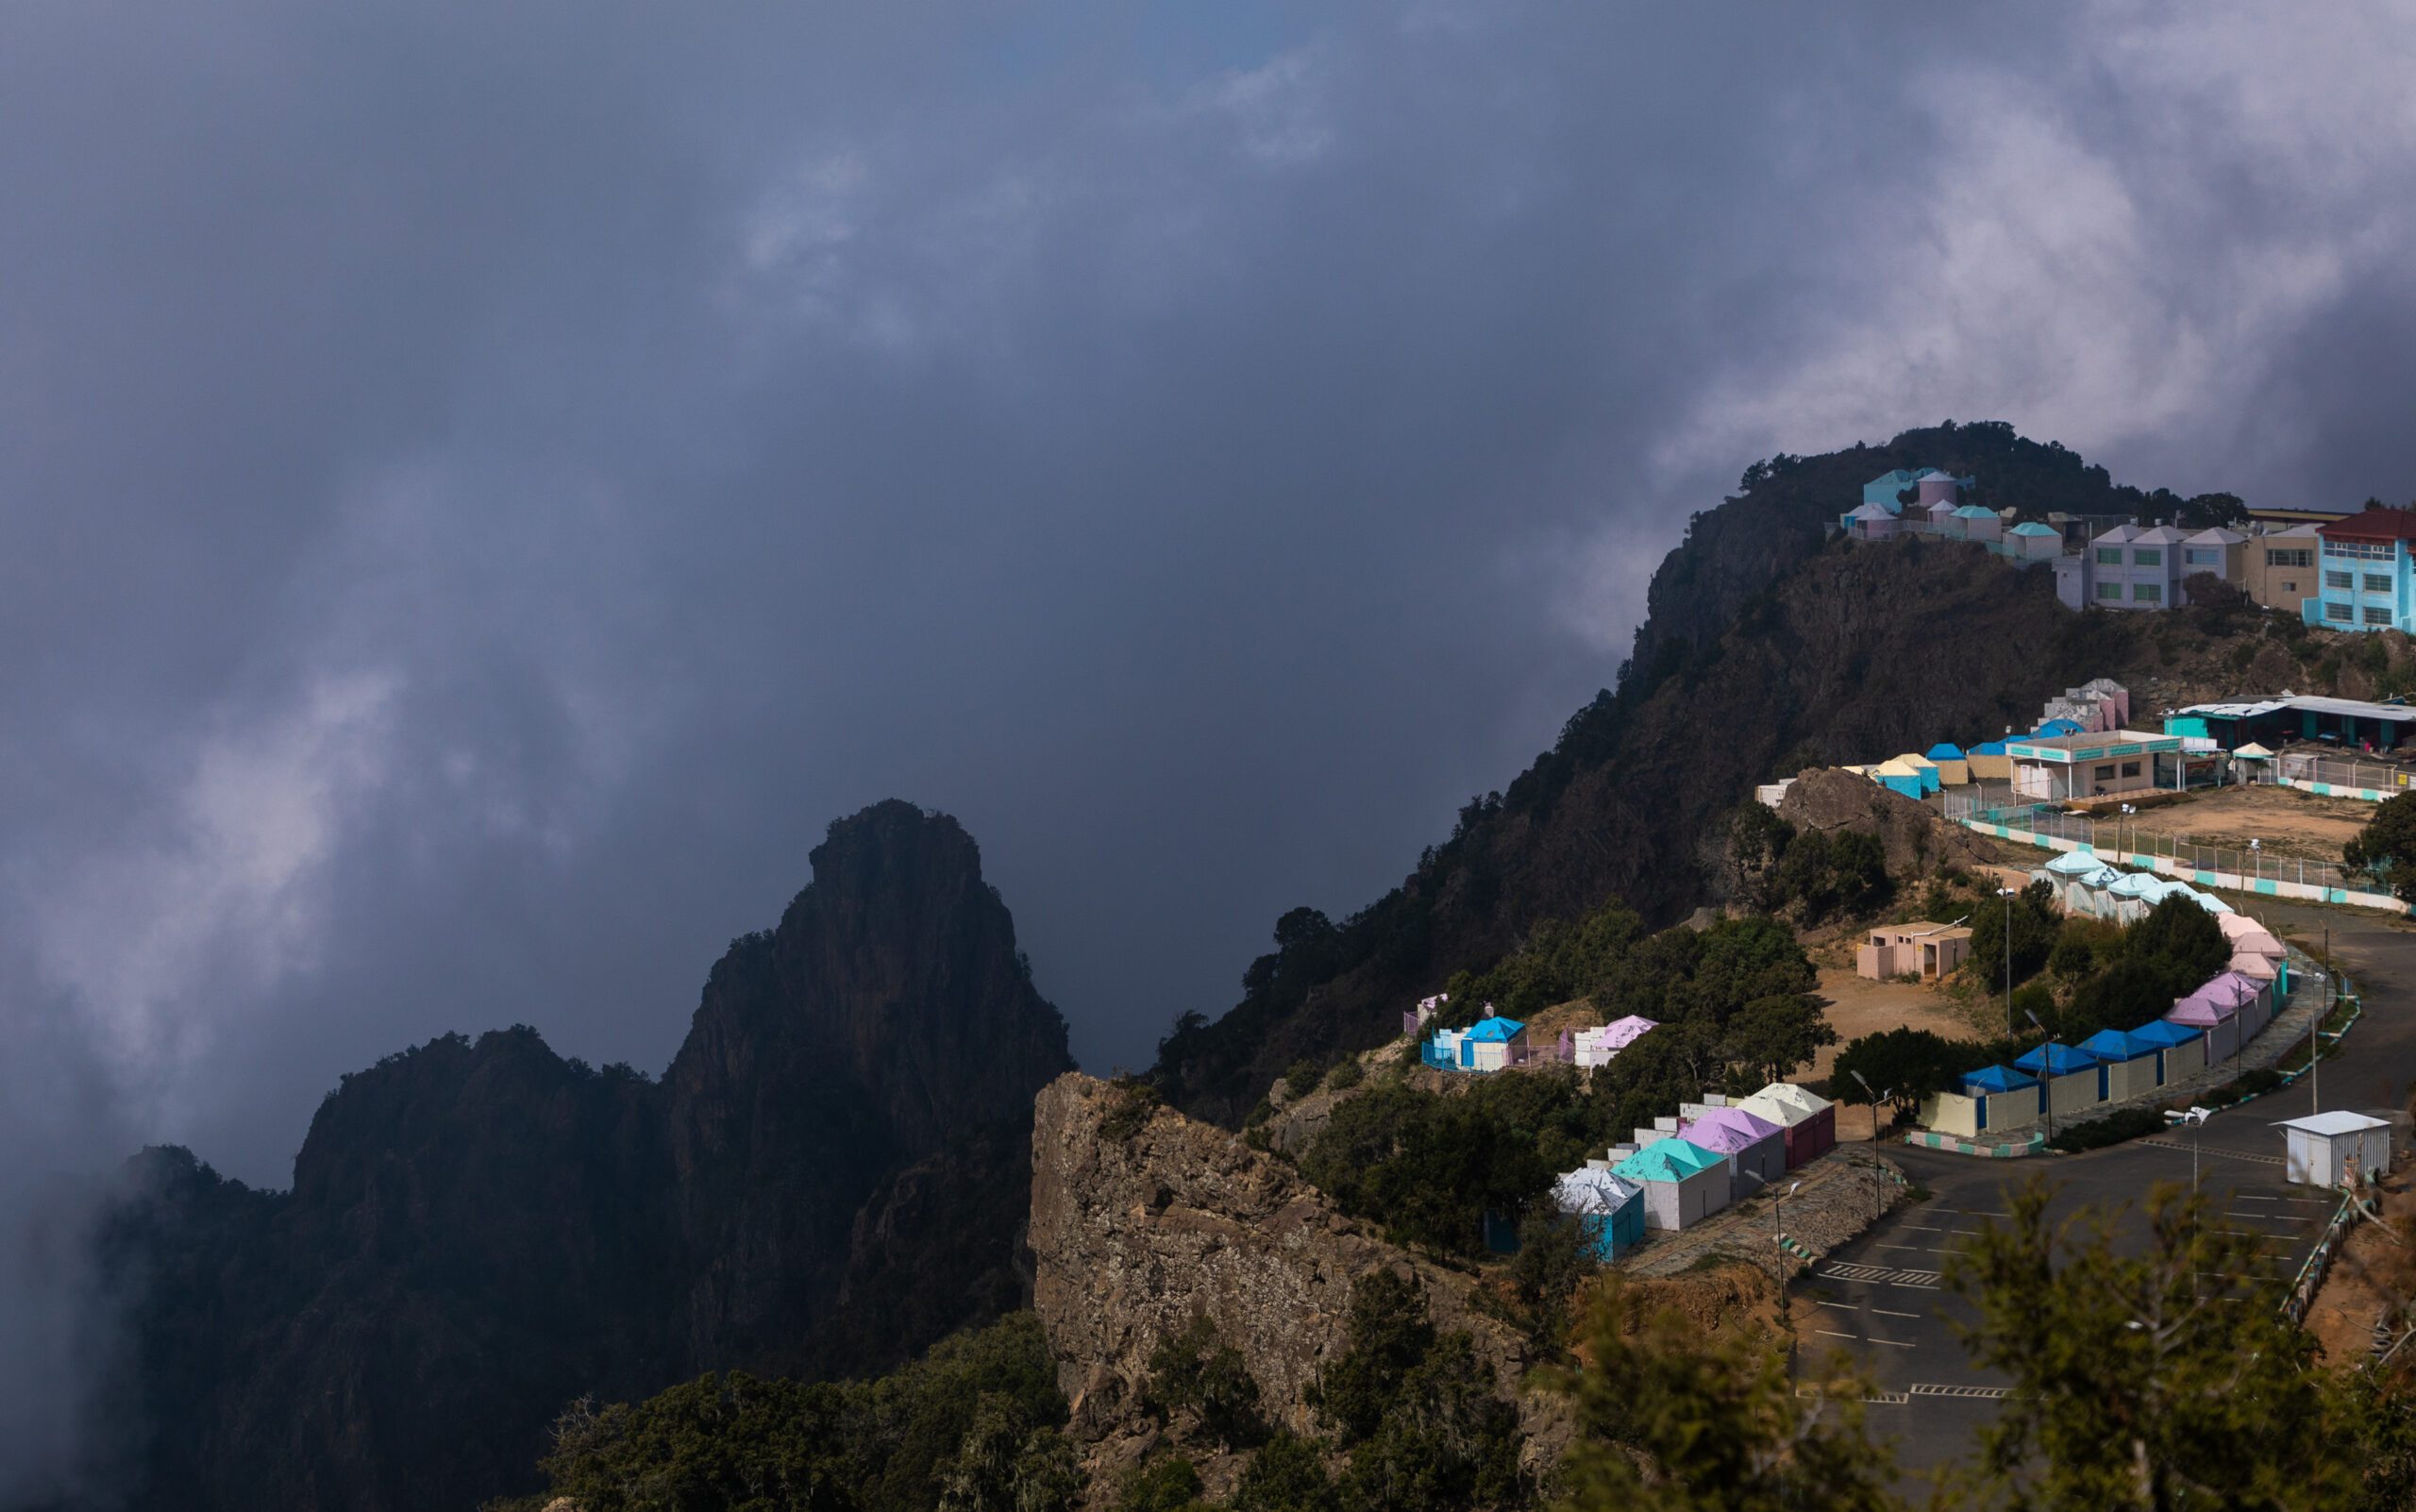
[2128, 1079]
[2182, 1060]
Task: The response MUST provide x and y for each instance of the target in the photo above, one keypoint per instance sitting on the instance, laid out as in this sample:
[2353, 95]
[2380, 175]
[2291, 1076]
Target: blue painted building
[2367, 580]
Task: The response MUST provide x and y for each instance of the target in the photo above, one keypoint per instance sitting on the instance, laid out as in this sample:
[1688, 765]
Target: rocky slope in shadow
[1142, 1217]
[831, 1175]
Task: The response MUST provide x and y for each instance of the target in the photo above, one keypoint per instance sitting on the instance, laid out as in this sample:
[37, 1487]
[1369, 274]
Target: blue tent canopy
[2056, 727]
[1944, 752]
[2165, 1035]
[2060, 1060]
[2113, 1045]
[1992, 1079]
[1988, 748]
[1488, 1031]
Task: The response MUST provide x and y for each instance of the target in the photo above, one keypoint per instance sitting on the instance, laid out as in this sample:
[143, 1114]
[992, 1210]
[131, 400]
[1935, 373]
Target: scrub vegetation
[1736, 1011]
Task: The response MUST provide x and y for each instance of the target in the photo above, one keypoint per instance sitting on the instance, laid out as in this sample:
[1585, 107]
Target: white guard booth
[2326, 1148]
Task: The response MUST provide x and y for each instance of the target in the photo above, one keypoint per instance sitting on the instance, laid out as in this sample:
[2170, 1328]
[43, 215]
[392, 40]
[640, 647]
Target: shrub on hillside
[2127, 1123]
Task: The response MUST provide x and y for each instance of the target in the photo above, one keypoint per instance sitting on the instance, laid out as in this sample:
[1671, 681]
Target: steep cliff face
[1142, 1220]
[832, 1176]
[922, 1033]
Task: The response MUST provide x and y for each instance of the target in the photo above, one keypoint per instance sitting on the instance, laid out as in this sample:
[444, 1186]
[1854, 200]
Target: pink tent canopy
[2232, 924]
[2230, 993]
[1621, 1032]
[2201, 1013]
[2251, 964]
[1726, 1130]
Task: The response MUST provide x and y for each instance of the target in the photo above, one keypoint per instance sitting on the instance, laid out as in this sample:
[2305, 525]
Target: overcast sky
[481, 487]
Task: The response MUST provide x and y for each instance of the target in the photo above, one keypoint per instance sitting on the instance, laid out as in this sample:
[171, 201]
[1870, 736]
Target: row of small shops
[1698, 1163]
[2050, 1082]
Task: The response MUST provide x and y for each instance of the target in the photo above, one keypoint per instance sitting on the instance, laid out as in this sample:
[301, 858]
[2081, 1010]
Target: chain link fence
[2382, 777]
[2116, 836]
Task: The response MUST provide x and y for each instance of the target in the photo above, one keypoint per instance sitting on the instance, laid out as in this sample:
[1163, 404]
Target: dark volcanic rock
[832, 1175]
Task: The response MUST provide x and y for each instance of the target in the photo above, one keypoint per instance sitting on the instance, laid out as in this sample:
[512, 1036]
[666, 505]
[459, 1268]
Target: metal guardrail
[2318, 1262]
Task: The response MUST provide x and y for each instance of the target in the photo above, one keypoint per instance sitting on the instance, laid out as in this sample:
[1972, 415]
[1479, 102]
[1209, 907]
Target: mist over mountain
[830, 1177]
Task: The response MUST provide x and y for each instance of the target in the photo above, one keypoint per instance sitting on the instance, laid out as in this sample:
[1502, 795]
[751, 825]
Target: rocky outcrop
[1828, 801]
[832, 1175]
[1142, 1217]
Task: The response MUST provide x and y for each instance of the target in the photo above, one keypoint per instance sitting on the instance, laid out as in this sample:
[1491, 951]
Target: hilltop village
[2088, 819]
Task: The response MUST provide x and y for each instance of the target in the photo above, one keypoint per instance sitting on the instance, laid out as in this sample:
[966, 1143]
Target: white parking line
[1883, 1312]
[1891, 1343]
[1833, 1333]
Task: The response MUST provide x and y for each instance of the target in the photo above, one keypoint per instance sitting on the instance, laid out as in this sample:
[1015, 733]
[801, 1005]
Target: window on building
[2106, 773]
[2378, 617]
[2203, 556]
[2339, 580]
[2148, 557]
[2290, 585]
[2290, 559]
[2147, 593]
[2337, 611]
[2109, 590]
[2377, 583]
[2359, 550]
[2109, 556]
[2130, 768]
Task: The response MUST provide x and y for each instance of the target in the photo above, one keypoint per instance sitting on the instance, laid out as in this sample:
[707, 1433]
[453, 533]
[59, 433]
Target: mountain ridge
[482, 1231]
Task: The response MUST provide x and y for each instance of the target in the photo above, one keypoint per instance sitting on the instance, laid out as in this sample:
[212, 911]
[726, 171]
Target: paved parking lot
[1881, 1299]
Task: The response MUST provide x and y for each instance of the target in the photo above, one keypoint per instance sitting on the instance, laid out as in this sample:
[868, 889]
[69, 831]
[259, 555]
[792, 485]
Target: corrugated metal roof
[2328, 1124]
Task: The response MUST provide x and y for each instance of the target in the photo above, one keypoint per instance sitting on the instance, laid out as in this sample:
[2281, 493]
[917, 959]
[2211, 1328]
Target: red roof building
[2366, 583]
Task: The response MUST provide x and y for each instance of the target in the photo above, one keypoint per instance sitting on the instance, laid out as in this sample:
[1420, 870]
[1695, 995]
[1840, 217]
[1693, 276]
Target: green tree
[1910, 1064]
[1388, 1333]
[2387, 845]
[1195, 1370]
[1556, 1260]
[2182, 940]
[1770, 1036]
[1446, 1442]
[1288, 1475]
[2034, 925]
[2134, 1384]
[1671, 1421]
[1162, 1483]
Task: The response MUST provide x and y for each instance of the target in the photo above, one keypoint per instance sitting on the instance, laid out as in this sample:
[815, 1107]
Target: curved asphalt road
[1879, 1300]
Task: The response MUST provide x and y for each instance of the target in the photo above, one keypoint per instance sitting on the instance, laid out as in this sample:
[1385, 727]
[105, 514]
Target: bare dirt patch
[1859, 1006]
[2284, 821]
[2375, 1273]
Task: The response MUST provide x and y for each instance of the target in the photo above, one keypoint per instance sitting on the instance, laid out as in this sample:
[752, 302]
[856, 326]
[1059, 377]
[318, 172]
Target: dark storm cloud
[480, 490]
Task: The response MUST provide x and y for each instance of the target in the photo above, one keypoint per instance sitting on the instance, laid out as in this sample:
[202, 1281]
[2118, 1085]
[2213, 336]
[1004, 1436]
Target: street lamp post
[1876, 1097]
[1778, 1235]
[2047, 1071]
[2007, 943]
[2196, 1118]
